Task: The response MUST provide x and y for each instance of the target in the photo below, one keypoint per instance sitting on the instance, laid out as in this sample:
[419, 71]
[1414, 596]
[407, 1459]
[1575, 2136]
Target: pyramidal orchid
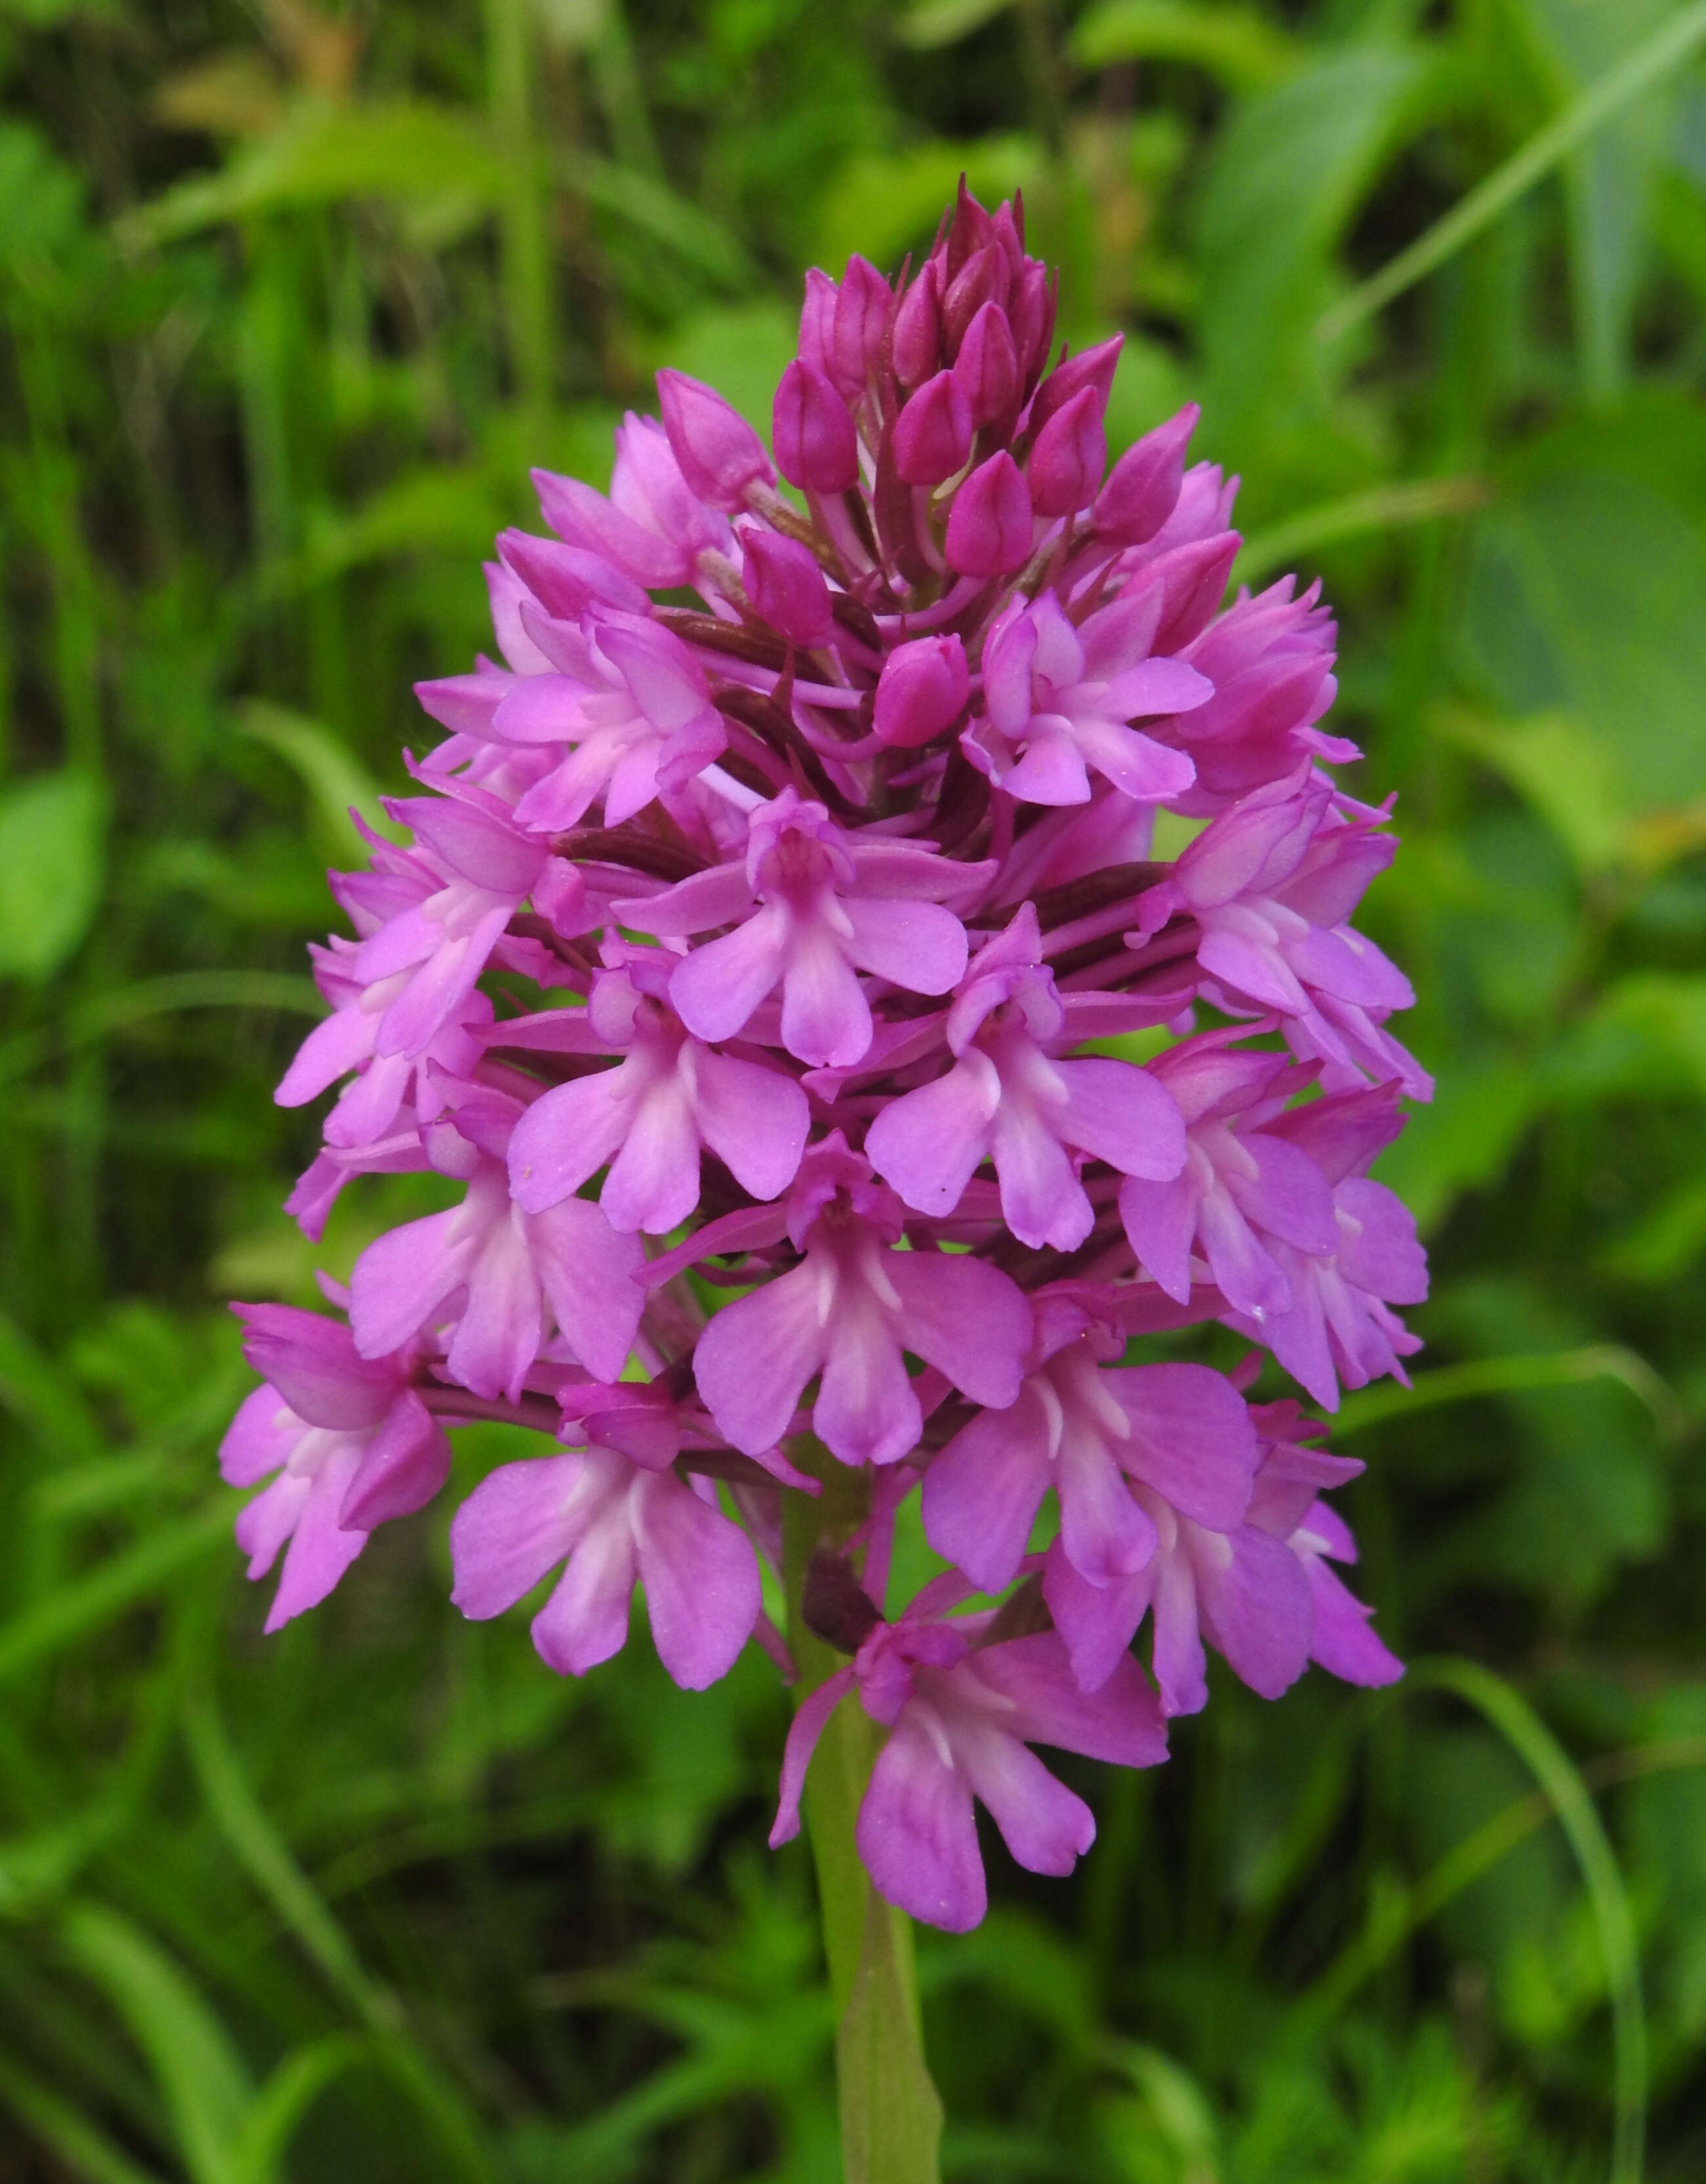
[783, 917]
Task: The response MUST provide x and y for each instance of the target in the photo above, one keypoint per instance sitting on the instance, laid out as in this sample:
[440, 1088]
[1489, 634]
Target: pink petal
[518, 1522]
[825, 1020]
[1160, 1221]
[1258, 1608]
[754, 1119]
[403, 1276]
[590, 1273]
[752, 1362]
[1044, 1826]
[867, 1412]
[917, 1835]
[919, 945]
[1042, 1200]
[1191, 1439]
[586, 1619]
[1120, 1114]
[811, 1719]
[653, 1181]
[716, 988]
[967, 1318]
[700, 1576]
[928, 1143]
[982, 1492]
[570, 1132]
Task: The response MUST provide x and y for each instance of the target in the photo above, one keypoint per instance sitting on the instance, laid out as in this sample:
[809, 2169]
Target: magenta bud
[1069, 456]
[923, 689]
[1091, 367]
[1031, 315]
[982, 280]
[917, 347]
[1009, 231]
[786, 587]
[817, 321]
[990, 525]
[863, 304]
[971, 229]
[932, 434]
[1142, 488]
[816, 447]
[719, 453]
[987, 368]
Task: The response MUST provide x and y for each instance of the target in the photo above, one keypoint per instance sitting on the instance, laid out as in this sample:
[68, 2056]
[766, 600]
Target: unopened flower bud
[918, 346]
[816, 447]
[932, 434]
[986, 366]
[817, 319]
[971, 228]
[1091, 367]
[863, 304]
[719, 453]
[1031, 316]
[1069, 456]
[924, 690]
[1142, 488]
[982, 280]
[786, 587]
[989, 528]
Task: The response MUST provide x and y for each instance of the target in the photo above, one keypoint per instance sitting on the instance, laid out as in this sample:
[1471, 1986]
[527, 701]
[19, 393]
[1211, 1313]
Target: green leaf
[1571, 777]
[81, 1606]
[205, 2084]
[1285, 178]
[88, 2153]
[52, 863]
[405, 149]
[1242, 46]
[1582, 597]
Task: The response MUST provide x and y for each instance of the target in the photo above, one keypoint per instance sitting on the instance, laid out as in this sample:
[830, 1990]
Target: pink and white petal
[982, 1492]
[1042, 1201]
[1104, 1532]
[1043, 1824]
[569, 1133]
[403, 1467]
[916, 1834]
[499, 1335]
[811, 1719]
[1096, 1623]
[715, 988]
[1245, 1274]
[1121, 1114]
[264, 1524]
[1052, 770]
[653, 1184]
[1160, 1221]
[366, 1109]
[1257, 1608]
[867, 1412]
[403, 1276]
[519, 1522]
[1288, 1195]
[825, 1019]
[1379, 1252]
[590, 1274]
[1191, 1439]
[919, 945]
[1345, 1642]
[700, 1576]
[260, 1438]
[330, 1050]
[751, 1364]
[586, 1619]
[965, 1319]
[928, 1144]
[319, 1550]
[1181, 1666]
[1121, 1722]
[754, 1119]
[1140, 768]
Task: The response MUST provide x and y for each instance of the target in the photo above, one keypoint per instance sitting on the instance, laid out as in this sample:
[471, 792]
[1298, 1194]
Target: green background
[291, 300]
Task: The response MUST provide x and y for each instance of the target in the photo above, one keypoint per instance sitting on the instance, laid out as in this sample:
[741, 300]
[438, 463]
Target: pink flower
[962, 1718]
[1058, 703]
[617, 1522]
[812, 907]
[349, 1439]
[850, 1310]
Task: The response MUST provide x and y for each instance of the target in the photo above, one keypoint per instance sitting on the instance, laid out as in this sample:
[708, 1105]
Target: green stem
[891, 2119]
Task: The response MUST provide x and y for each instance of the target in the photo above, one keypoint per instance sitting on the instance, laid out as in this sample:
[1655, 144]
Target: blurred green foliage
[291, 299]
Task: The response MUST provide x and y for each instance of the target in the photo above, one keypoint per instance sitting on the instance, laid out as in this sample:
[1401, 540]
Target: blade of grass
[122, 1007]
[87, 2153]
[267, 1858]
[87, 1604]
[1668, 48]
[1510, 1376]
[1384, 508]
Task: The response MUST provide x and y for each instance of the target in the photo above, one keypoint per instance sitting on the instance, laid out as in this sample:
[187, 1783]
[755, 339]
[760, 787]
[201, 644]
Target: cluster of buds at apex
[760, 979]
